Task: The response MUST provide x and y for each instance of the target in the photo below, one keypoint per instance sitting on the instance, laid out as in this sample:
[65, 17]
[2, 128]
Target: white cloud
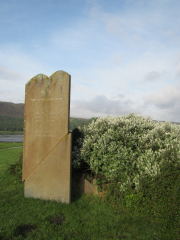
[102, 106]
[80, 91]
[9, 74]
[167, 98]
[152, 76]
[13, 91]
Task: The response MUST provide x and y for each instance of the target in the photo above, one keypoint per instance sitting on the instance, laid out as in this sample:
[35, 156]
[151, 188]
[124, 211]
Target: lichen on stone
[47, 86]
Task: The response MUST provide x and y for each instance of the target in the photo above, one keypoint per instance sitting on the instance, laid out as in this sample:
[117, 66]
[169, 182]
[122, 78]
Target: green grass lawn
[86, 217]
[10, 145]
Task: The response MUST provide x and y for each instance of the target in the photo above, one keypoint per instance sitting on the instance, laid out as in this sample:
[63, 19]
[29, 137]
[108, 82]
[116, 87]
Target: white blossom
[111, 145]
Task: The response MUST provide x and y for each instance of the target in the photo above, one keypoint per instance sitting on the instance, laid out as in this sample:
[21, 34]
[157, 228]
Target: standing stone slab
[47, 141]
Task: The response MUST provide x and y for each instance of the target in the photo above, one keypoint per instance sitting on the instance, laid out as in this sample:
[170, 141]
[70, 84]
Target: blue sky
[123, 55]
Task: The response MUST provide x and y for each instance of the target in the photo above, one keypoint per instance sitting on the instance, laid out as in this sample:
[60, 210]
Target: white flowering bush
[127, 148]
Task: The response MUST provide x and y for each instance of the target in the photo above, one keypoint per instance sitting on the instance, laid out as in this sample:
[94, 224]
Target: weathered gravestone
[47, 141]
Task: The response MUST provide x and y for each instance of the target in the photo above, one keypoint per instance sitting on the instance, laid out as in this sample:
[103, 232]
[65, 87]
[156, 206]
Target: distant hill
[8, 109]
[177, 123]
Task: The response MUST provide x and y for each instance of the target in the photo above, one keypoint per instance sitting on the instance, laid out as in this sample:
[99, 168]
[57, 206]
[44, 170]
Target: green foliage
[16, 168]
[75, 122]
[11, 124]
[92, 119]
[100, 182]
[130, 199]
[127, 148]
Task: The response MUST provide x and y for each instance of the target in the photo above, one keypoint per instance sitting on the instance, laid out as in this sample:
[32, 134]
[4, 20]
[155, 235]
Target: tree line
[11, 123]
[17, 124]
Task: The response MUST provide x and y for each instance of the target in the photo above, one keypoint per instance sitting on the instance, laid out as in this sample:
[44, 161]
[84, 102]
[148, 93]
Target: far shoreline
[11, 133]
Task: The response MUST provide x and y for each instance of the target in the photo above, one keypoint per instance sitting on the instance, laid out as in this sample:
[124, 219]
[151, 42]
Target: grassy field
[86, 217]
[9, 145]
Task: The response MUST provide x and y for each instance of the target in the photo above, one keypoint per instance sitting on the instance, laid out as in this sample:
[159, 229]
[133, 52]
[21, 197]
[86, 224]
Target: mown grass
[88, 217]
[10, 145]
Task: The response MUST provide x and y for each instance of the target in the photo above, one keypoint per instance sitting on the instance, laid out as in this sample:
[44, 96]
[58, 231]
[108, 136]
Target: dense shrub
[126, 149]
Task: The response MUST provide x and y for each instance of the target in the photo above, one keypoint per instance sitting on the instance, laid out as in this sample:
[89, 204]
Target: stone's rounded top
[37, 78]
[59, 73]
[40, 77]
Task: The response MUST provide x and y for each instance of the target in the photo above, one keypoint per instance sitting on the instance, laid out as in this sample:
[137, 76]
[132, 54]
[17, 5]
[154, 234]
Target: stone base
[83, 185]
[51, 180]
